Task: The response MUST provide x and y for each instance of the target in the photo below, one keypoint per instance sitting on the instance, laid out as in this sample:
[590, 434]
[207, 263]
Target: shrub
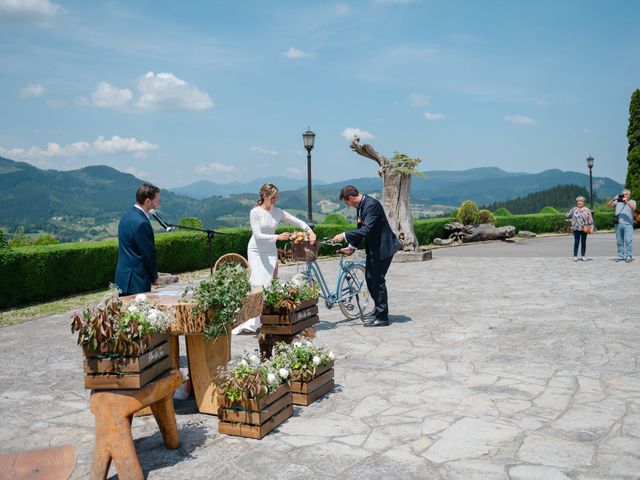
[3, 241]
[192, 222]
[453, 213]
[549, 211]
[485, 216]
[502, 212]
[467, 213]
[335, 219]
[46, 239]
[428, 229]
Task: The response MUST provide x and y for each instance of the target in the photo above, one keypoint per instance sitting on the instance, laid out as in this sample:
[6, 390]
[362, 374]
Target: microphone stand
[210, 235]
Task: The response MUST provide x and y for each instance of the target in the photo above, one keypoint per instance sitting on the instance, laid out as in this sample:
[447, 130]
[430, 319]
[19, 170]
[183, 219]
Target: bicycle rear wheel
[355, 300]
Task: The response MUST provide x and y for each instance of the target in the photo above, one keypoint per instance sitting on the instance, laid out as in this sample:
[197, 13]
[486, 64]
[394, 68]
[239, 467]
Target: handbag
[587, 229]
[616, 219]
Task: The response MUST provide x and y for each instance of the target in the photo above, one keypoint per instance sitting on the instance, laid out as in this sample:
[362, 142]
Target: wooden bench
[114, 409]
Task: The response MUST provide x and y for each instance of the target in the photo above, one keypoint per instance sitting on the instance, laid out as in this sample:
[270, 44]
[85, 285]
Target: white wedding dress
[262, 253]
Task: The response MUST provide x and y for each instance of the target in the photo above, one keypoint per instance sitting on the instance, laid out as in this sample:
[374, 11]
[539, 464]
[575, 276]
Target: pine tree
[633, 155]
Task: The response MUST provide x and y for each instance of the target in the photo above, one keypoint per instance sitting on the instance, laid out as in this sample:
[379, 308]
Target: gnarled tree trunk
[396, 190]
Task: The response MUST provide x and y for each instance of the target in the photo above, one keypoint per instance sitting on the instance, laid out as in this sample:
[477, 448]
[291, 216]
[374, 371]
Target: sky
[175, 92]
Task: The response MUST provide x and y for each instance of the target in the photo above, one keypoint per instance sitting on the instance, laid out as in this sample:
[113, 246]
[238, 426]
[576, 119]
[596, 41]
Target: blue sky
[176, 91]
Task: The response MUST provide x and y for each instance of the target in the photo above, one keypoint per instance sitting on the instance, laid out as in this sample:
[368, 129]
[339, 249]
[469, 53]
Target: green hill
[561, 197]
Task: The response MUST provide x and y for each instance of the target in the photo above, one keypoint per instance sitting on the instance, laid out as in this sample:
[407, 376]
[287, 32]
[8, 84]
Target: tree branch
[368, 151]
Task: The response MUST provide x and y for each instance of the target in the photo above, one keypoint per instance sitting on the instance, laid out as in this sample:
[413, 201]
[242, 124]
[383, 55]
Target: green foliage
[335, 219]
[285, 297]
[3, 241]
[485, 216]
[548, 223]
[502, 212]
[453, 213]
[633, 131]
[301, 357]
[633, 172]
[192, 222]
[22, 240]
[220, 297]
[403, 163]
[549, 211]
[428, 229]
[249, 378]
[561, 197]
[468, 213]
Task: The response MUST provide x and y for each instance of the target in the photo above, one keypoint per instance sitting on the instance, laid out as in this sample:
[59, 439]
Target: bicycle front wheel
[355, 300]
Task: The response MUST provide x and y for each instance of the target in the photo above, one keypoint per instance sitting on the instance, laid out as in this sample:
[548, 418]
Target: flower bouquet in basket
[256, 397]
[218, 299]
[287, 309]
[311, 368]
[302, 249]
[123, 344]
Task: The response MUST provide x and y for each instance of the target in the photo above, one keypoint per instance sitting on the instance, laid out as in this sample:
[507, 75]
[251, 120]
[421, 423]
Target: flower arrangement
[284, 297]
[114, 327]
[250, 378]
[219, 298]
[302, 357]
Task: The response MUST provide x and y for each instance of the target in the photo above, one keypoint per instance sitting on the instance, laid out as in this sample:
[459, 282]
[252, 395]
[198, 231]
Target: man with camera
[623, 220]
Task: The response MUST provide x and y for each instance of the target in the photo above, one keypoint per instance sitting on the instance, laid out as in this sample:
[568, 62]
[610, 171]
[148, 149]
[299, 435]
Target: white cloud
[542, 103]
[38, 12]
[53, 103]
[264, 151]
[418, 99]
[165, 91]
[138, 173]
[295, 170]
[433, 116]
[349, 133]
[100, 146]
[32, 90]
[295, 53]
[520, 120]
[214, 167]
[106, 95]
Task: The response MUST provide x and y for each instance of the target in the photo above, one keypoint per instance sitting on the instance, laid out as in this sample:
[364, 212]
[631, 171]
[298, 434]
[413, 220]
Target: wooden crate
[127, 372]
[290, 323]
[256, 418]
[305, 393]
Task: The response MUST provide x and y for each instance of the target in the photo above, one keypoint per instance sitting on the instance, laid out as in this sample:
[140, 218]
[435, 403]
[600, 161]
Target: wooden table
[204, 356]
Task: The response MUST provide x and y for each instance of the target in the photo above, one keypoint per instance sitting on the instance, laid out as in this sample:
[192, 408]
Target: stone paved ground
[493, 368]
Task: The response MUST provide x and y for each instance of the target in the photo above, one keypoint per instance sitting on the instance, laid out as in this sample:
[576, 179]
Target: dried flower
[271, 378]
[132, 308]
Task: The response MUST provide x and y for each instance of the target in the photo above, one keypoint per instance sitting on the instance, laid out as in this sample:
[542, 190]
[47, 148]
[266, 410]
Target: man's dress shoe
[377, 322]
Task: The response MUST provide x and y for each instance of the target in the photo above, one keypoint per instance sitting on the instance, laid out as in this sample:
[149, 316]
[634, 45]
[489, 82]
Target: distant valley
[86, 204]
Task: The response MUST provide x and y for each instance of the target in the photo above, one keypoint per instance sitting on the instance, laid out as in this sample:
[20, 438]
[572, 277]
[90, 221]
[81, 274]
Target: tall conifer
[633, 155]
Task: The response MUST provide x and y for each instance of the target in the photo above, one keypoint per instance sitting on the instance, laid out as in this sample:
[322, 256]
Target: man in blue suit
[137, 265]
[381, 245]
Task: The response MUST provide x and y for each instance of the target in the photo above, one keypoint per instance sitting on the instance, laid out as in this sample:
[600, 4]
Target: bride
[261, 251]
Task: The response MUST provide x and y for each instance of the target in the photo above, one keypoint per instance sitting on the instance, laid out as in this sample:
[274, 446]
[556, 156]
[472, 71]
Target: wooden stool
[54, 463]
[114, 411]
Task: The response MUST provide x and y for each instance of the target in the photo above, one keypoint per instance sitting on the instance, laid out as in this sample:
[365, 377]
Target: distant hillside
[205, 188]
[87, 203]
[561, 197]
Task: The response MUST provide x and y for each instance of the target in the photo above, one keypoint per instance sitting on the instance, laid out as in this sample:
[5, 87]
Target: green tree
[335, 219]
[502, 212]
[468, 213]
[485, 216]
[193, 222]
[3, 241]
[633, 136]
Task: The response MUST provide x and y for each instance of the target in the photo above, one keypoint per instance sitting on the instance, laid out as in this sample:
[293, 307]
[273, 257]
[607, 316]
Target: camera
[620, 197]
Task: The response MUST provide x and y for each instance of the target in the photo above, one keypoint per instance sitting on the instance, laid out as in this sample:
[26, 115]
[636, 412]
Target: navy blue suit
[381, 245]
[137, 265]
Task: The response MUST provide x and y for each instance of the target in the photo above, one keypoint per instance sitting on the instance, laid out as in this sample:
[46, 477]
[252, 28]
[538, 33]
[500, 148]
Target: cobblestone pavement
[492, 368]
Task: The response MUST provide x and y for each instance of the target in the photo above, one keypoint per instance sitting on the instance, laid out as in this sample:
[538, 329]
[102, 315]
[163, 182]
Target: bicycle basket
[304, 251]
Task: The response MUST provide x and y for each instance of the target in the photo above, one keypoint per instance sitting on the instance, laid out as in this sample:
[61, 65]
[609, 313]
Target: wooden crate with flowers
[311, 369]
[288, 309]
[256, 396]
[123, 344]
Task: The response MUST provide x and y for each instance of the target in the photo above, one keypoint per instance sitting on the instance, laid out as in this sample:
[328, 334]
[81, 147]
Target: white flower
[244, 363]
[316, 360]
[284, 373]
[254, 359]
[331, 355]
[309, 343]
[271, 378]
[141, 297]
[297, 344]
[132, 308]
[153, 315]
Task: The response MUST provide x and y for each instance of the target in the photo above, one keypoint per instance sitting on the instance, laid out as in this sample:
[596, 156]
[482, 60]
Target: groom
[381, 245]
[137, 265]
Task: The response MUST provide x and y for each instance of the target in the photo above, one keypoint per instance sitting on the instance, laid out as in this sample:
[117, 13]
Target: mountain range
[87, 203]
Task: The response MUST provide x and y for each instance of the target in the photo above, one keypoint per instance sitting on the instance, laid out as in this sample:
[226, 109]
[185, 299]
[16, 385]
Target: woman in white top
[261, 251]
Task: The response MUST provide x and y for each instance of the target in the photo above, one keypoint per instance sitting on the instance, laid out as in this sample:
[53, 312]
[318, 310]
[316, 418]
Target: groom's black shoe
[377, 322]
[369, 317]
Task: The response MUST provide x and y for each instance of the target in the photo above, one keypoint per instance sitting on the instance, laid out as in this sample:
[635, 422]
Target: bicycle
[351, 293]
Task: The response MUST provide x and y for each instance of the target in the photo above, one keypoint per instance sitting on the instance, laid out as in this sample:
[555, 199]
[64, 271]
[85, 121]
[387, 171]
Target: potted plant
[256, 397]
[123, 344]
[219, 298]
[311, 368]
[288, 309]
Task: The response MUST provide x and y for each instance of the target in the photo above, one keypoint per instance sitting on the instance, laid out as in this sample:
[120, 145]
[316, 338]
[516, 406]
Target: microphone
[162, 223]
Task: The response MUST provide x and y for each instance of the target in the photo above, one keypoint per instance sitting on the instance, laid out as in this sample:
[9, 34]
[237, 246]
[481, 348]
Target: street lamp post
[309, 138]
[590, 165]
